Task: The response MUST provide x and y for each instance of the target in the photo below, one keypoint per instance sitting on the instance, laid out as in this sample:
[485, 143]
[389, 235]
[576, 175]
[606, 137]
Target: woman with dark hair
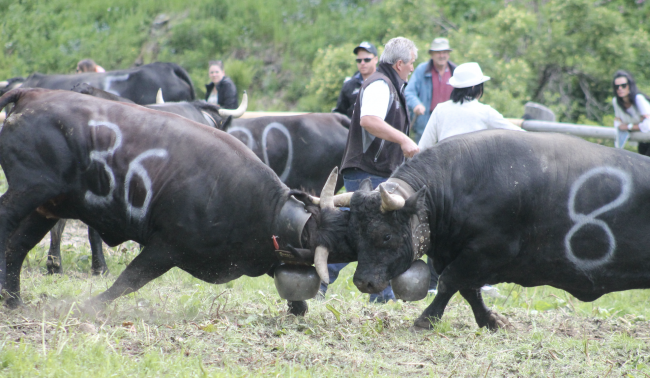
[463, 113]
[631, 109]
[221, 90]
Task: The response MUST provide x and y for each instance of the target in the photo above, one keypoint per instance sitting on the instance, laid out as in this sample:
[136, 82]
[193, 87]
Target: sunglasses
[616, 86]
[367, 60]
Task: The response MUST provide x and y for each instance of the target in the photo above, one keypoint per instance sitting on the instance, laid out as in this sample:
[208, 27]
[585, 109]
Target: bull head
[236, 113]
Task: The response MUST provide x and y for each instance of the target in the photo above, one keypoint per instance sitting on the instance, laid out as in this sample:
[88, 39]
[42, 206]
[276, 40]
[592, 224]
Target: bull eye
[387, 237]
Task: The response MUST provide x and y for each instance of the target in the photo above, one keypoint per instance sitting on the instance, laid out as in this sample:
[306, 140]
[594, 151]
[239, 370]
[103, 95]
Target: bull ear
[417, 202]
[366, 185]
[223, 126]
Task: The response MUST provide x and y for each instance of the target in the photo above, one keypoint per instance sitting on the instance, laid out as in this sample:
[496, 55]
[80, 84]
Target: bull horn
[237, 112]
[159, 97]
[340, 200]
[320, 262]
[327, 194]
[390, 202]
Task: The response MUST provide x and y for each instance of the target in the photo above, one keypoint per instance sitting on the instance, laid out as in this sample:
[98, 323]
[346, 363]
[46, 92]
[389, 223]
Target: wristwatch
[630, 126]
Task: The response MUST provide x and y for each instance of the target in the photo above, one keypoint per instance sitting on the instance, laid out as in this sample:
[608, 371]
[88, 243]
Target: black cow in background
[194, 196]
[139, 84]
[502, 206]
[301, 149]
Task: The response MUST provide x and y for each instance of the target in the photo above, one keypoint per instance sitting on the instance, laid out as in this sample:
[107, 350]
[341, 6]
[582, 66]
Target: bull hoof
[298, 308]
[13, 301]
[497, 321]
[423, 324]
[53, 266]
[100, 272]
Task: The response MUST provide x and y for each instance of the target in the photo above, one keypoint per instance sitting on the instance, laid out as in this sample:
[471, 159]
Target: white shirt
[451, 118]
[633, 114]
[375, 100]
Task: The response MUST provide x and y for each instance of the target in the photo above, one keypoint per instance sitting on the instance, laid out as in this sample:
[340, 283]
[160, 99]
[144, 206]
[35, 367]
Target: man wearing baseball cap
[366, 60]
[429, 86]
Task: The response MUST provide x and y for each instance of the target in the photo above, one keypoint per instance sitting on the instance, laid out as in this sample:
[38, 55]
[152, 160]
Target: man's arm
[379, 128]
[342, 104]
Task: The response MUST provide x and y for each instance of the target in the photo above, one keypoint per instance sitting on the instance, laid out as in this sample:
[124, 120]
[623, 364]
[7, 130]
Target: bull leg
[433, 313]
[483, 315]
[54, 255]
[99, 266]
[150, 264]
[30, 231]
[15, 206]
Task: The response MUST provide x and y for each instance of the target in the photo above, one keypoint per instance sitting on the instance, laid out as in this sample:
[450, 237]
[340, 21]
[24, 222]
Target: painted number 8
[582, 220]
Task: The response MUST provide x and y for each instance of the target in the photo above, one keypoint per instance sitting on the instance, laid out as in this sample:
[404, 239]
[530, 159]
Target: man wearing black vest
[378, 139]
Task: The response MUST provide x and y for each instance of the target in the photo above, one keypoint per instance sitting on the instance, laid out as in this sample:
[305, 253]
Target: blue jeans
[352, 180]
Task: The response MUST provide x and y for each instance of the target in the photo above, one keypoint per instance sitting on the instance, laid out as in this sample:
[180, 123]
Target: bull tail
[181, 73]
[11, 97]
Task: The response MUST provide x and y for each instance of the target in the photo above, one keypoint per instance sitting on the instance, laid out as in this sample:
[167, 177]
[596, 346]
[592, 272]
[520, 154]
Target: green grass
[180, 326]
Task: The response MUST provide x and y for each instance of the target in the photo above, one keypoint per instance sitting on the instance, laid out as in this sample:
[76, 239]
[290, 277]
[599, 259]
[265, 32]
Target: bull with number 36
[504, 206]
[195, 197]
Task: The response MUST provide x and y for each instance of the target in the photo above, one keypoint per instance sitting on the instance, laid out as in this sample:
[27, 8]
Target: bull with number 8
[195, 197]
[502, 206]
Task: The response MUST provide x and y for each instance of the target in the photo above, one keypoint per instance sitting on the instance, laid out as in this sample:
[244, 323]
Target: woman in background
[631, 108]
[221, 91]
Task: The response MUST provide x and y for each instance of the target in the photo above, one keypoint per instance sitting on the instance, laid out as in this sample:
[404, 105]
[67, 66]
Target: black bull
[532, 209]
[194, 196]
[139, 84]
[301, 149]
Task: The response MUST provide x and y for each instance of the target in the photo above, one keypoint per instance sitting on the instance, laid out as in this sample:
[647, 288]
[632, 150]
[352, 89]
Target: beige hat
[440, 44]
[467, 75]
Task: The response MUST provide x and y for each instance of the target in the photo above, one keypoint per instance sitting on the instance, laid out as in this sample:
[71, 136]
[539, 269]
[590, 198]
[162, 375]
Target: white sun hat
[467, 75]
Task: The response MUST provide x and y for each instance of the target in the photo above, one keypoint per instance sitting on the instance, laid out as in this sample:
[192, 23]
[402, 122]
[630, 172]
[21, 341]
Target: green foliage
[331, 64]
[294, 54]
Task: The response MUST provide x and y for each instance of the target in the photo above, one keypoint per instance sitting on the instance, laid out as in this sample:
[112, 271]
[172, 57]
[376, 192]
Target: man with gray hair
[378, 140]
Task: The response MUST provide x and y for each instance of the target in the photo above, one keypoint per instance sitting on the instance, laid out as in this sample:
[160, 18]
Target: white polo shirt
[375, 100]
[451, 118]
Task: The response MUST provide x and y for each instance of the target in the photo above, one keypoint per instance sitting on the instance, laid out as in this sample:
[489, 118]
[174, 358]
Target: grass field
[180, 326]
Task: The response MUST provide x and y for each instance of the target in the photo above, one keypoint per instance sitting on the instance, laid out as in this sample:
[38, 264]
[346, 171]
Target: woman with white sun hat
[463, 113]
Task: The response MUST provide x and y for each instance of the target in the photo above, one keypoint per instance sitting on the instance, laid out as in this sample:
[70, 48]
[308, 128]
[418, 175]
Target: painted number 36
[135, 169]
[582, 220]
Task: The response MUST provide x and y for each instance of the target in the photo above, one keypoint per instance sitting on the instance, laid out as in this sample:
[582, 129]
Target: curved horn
[343, 200]
[237, 112]
[320, 262]
[159, 97]
[390, 202]
[327, 194]
[340, 200]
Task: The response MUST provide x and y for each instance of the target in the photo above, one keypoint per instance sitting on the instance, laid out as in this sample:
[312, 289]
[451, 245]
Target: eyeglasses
[367, 60]
[623, 86]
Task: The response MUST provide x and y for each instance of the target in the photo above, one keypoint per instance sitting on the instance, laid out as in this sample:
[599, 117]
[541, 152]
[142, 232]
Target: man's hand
[419, 109]
[409, 148]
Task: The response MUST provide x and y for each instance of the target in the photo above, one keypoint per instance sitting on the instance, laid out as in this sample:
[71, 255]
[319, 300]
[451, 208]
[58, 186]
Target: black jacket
[227, 93]
[348, 95]
[366, 152]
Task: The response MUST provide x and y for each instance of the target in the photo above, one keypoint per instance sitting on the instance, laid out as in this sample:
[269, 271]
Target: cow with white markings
[138, 84]
[504, 206]
[193, 196]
